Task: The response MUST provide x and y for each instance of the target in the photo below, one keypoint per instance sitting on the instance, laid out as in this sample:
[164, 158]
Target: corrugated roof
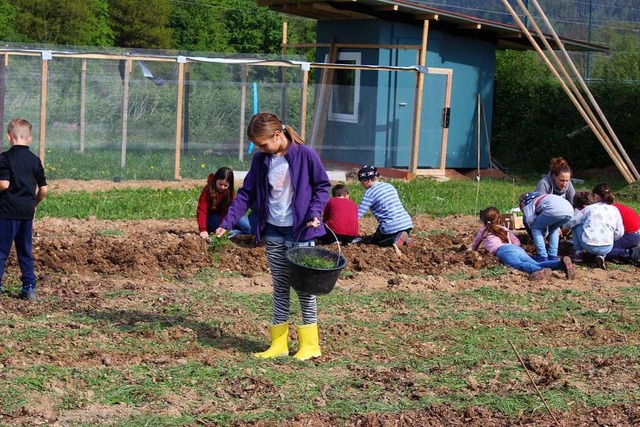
[412, 12]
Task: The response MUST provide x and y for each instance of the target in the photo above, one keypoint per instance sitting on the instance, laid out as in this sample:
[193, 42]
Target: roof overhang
[504, 35]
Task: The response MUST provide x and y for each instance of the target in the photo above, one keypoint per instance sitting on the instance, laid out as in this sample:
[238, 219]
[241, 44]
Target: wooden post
[607, 146]
[479, 136]
[179, 105]
[303, 101]
[584, 87]
[125, 112]
[46, 56]
[185, 119]
[446, 112]
[417, 112]
[83, 101]
[283, 76]
[243, 107]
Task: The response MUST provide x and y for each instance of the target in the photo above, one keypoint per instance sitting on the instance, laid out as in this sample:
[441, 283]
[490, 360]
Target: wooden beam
[354, 46]
[387, 8]
[427, 17]
[470, 26]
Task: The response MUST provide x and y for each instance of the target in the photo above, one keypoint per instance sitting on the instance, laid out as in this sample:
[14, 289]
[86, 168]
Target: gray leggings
[276, 256]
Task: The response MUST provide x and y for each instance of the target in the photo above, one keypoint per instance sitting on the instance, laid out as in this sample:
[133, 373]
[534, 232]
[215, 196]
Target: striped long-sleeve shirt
[385, 205]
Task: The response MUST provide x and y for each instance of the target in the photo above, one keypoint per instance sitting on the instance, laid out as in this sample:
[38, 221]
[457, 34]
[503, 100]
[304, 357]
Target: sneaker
[540, 274]
[357, 240]
[397, 249]
[600, 262]
[577, 257]
[635, 254]
[401, 239]
[567, 266]
[28, 292]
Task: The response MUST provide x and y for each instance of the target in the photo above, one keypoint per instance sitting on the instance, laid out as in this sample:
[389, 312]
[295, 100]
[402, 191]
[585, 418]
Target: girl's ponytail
[492, 221]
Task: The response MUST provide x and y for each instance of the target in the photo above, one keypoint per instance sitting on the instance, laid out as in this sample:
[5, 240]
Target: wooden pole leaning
[613, 154]
[586, 90]
[569, 80]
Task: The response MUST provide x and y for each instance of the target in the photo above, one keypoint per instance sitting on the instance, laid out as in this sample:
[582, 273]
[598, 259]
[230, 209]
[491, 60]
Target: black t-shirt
[25, 174]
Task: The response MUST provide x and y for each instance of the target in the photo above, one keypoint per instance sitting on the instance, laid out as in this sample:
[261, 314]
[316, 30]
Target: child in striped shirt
[394, 222]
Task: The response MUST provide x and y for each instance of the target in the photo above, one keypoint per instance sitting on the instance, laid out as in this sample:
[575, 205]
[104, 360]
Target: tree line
[220, 26]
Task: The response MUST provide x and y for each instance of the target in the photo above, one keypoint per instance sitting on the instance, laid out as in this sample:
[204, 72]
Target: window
[345, 91]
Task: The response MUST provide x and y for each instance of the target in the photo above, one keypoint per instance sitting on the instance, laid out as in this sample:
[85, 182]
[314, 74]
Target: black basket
[310, 280]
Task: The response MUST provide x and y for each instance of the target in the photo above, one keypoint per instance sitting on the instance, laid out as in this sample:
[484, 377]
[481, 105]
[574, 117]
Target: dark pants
[383, 240]
[330, 238]
[20, 232]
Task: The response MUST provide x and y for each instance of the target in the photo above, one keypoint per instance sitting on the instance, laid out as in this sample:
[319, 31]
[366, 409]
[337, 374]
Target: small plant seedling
[217, 243]
[316, 262]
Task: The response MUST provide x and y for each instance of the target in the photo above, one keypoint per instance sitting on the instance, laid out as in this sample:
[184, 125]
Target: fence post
[179, 105]
[46, 56]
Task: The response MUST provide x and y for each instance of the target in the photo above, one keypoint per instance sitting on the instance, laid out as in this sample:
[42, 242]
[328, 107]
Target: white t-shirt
[280, 192]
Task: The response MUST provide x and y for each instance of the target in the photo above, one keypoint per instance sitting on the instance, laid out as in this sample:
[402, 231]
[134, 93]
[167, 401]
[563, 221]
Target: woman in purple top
[289, 188]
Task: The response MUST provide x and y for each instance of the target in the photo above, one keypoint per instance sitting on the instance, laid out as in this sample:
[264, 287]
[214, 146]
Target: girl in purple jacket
[289, 188]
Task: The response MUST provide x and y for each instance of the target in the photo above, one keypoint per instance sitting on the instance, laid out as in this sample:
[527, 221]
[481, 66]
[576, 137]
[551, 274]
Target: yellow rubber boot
[279, 342]
[309, 346]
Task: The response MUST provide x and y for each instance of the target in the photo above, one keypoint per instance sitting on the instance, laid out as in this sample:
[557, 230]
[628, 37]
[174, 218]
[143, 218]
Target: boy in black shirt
[22, 186]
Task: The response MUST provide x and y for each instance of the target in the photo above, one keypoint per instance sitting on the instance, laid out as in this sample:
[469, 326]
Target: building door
[401, 109]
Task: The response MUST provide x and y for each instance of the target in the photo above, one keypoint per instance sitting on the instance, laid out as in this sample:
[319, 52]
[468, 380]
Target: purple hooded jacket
[311, 187]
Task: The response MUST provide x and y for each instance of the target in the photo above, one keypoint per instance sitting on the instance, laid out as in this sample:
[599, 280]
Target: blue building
[388, 118]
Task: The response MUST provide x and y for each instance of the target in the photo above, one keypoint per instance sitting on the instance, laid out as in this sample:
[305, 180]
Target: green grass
[139, 164]
[420, 196]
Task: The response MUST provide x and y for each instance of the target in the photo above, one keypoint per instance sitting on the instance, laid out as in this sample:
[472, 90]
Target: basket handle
[337, 262]
[338, 242]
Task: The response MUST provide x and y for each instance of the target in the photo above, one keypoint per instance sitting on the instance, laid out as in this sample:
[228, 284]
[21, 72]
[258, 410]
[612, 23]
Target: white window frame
[356, 59]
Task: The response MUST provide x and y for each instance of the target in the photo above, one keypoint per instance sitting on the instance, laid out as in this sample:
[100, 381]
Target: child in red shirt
[341, 216]
[214, 202]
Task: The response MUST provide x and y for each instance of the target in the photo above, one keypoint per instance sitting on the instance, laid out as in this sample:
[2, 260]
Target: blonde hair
[16, 124]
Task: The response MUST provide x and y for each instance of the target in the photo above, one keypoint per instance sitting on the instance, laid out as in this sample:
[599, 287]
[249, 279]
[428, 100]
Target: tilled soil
[78, 260]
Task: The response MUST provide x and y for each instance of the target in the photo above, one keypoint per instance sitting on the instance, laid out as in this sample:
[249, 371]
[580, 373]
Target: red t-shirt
[630, 218]
[341, 215]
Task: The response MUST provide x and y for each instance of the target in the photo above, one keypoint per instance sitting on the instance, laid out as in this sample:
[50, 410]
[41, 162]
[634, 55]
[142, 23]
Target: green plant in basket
[316, 262]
